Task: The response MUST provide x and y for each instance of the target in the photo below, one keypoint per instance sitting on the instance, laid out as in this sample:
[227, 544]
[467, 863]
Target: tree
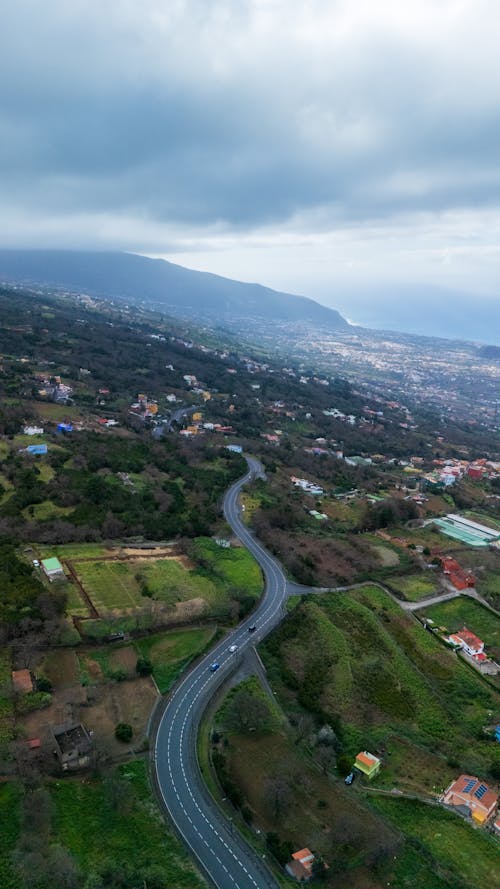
[246, 712]
[278, 795]
[344, 764]
[144, 667]
[495, 769]
[124, 732]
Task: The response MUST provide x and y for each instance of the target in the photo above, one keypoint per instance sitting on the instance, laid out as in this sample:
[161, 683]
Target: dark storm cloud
[249, 114]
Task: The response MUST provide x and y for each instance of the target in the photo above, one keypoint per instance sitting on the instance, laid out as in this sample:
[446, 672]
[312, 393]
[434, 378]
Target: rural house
[300, 867]
[457, 576]
[470, 643]
[471, 797]
[368, 764]
[73, 746]
[53, 569]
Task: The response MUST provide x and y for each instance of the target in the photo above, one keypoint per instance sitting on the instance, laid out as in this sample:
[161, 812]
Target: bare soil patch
[60, 668]
[66, 706]
[388, 558]
[128, 701]
[125, 658]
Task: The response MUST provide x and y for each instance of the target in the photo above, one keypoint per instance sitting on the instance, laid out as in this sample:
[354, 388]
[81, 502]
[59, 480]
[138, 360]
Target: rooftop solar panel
[481, 790]
[468, 787]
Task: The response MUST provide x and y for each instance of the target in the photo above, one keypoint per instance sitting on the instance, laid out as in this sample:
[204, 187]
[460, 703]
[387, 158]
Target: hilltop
[162, 285]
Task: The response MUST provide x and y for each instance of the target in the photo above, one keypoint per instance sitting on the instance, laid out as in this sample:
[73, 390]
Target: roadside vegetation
[101, 832]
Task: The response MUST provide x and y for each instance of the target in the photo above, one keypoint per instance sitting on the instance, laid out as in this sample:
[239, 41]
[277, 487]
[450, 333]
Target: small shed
[22, 681]
[53, 569]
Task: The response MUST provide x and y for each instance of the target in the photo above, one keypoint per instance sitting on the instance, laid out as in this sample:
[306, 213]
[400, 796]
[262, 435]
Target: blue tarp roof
[37, 449]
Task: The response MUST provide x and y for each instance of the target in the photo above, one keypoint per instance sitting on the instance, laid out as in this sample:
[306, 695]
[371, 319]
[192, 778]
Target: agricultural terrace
[462, 611]
[356, 660]
[214, 579]
[98, 821]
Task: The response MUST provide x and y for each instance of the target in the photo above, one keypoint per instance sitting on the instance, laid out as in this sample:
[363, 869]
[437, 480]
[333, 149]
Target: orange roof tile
[22, 681]
[367, 759]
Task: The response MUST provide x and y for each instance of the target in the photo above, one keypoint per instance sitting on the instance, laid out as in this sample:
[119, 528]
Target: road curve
[226, 859]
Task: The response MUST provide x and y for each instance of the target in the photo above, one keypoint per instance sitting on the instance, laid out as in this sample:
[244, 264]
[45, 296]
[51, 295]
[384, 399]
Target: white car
[233, 648]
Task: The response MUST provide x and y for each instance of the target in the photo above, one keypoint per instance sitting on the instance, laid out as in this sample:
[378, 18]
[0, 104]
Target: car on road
[233, 648]
[252, 628]
[215, 666]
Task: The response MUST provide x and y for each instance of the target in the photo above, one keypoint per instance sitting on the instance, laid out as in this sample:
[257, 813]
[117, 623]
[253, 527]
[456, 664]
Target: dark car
[252, 628]
[213, 667]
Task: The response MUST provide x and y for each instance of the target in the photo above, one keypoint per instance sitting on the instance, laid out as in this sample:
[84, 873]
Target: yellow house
[368, 764]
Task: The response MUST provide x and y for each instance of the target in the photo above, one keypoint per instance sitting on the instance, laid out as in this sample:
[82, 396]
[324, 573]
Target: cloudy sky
[321, 146]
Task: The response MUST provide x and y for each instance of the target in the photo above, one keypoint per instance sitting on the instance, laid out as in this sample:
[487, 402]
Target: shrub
[144, 667]
[344, 764]
[123, 732]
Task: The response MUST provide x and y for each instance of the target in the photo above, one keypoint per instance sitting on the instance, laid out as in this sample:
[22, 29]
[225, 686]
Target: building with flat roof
[73, 745]
[53, 569]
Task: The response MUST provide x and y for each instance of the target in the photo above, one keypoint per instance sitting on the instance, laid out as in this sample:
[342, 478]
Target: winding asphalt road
[227, 860]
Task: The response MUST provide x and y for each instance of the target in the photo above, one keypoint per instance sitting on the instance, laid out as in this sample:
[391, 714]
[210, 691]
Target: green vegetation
[9, 833]
[124, 732]
[223, 577]
[415, 586]
[171, 652]
[71, 550]
[46, 510]
[469, 857]
[6, 703]
[107, 832]
[462, 611]
[357, 661]
[20, 589]
[233, 567]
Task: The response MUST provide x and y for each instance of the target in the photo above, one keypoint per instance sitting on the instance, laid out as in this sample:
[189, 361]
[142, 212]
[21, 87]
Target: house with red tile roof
[471, 797]
[300, 867]
[470, 643]
[456, 575]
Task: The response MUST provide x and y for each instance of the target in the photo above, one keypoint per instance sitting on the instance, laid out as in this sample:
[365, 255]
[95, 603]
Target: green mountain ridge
[164, 286]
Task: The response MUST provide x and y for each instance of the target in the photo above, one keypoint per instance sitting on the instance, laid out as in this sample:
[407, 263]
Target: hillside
[164, 286]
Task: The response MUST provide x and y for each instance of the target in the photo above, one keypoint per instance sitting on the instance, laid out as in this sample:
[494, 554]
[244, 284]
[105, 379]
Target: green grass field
[463, 611]
[75, 605]
[171, 652]
[110, 585]
[416, 586]
[470, 856]
[231, 567]
[116, 586]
